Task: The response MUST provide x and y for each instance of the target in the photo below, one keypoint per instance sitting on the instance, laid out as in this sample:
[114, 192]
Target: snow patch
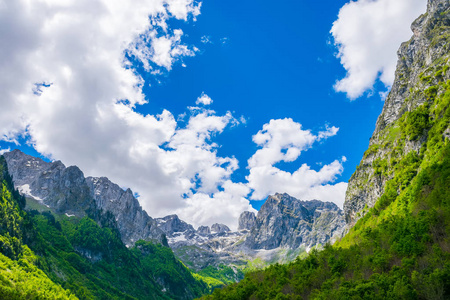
[178, 238]
[26, 191]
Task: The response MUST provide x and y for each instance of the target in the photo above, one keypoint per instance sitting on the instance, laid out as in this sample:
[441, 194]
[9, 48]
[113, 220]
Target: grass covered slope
[47, 256]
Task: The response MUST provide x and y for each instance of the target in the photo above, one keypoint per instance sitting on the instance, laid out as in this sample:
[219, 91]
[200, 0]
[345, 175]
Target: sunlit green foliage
[223, 273]
[20, 278]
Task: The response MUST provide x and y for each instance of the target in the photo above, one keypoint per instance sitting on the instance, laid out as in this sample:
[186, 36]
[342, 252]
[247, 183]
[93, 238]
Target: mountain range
[67, 236]
[283, 222]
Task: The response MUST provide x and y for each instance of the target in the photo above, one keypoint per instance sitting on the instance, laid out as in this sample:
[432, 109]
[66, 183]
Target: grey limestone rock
[203, 230]
[63, 189]
[132, 221]
[284, 221]
[219, 228]
[247, 220]
[172, 224]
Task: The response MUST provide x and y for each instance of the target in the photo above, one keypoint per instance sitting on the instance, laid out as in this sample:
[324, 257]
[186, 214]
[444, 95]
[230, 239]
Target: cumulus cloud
[67, 86]
[204, 99]
[222, 204]
[285, 140]
[367, 34]
[161, 50]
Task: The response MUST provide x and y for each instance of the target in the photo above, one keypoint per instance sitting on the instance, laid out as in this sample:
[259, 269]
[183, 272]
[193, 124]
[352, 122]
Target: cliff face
[246, 220]
[403, 127]
[284, 221]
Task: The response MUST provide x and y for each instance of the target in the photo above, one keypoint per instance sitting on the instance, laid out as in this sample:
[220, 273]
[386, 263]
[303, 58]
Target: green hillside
[399, 250]
[47, 256]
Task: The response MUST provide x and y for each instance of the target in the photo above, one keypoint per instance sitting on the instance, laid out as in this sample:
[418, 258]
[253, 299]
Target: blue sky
[277, 62]
[267, 67]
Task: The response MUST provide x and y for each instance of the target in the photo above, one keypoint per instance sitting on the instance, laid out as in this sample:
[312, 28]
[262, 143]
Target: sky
[203, 109]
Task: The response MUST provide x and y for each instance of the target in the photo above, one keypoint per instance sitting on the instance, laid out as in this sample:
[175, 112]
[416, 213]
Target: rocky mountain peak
[247, 220]
[172, 224]
[66, 190]
[219, 228]
[203, 230]
[284, 221]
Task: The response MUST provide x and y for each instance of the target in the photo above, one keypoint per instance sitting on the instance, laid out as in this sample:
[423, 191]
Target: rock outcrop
[203, 230]
[284, 221]
[64, 189]
[247, 220]
[219, 228]
[172, 224]
[132, 221]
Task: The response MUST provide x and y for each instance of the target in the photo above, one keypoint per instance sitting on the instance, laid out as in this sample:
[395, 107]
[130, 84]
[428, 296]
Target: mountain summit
[67, 191]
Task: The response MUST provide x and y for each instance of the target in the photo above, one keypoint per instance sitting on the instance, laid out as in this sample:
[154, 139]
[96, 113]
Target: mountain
[51, 254]
[282, 229]
[67, 191]
[397, 207]
[405, 123]
[284, 221]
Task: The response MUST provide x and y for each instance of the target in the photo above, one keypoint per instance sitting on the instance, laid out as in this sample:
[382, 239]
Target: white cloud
[206, 39]
[88, 116]
[2, 151]
[204, 99]
[162, 50]
[181, 9]
[204, 209]
[368, 34]
[284, 140]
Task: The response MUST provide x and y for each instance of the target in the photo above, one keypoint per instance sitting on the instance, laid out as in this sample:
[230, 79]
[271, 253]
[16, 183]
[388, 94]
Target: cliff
[405, 122]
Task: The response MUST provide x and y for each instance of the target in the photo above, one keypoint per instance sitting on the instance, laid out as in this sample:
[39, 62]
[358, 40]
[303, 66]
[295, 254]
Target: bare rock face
[63, 189]
[172, 224]
[419, 60]
[67, 191]
[133, 223]
[219, 228]
[204, 230]
[284, 221]
[247, 220]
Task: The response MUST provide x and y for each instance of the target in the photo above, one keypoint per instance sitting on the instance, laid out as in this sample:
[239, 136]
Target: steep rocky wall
[284, 221]
[422, 70]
